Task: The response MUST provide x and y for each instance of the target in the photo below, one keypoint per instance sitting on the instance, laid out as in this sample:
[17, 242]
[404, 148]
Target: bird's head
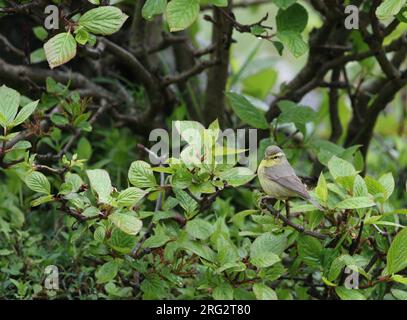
[274, 155]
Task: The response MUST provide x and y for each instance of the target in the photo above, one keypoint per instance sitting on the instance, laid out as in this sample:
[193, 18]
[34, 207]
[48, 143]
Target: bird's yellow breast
[271, 187]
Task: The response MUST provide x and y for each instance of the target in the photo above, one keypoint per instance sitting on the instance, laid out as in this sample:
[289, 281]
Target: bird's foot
[265, 202]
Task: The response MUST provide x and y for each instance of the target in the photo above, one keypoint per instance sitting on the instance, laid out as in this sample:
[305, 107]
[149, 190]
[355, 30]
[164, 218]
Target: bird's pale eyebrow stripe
[278, 155]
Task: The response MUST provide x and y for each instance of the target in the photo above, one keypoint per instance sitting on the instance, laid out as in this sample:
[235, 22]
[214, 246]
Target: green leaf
[38, 182]
[355, 203]
[104, 20]
[199, 249]
[340, 168]
[24, 113]
[246, 111]
[22, 145]
[389, 8]
[130, 197]
[400, 279]
[186, 202]
[152, 8]
[82, 36]
[291, 112]
[141, 175]
[121, 241]
[42, 200]
[59, 119]
[182, 13]
[397, 254]
[223, 292]
[199, 229]
[375, 188]
[284, 3]
[127, 223]
[359, 187]
[60, 49]
[322, 189]
[190, 131]
[156, 241]
[349, 294]
[101, 184]
[40, 32]
[260, 84]
[37, 56]
[399, 294]
[237, 176]
[310, 251]
[387, 182]
[263, 292]
[265, 249]
[219, 3]
[84, 149]
[107, 272]
[293, 42]
[9, 102]
[182, 178]
[294, 18]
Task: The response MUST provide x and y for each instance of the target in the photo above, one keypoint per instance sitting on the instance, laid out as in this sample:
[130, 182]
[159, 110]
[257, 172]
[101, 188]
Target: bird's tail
[315, 204]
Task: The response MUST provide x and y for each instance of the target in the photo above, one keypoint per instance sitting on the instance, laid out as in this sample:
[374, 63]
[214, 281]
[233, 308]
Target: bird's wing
[286, 177]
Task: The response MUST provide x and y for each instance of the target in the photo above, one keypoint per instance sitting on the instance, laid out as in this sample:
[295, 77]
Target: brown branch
[295, 226]
[196, 69]
[336, 126]
[214, 105]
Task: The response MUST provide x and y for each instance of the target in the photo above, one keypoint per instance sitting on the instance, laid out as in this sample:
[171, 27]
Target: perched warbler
[278, 178]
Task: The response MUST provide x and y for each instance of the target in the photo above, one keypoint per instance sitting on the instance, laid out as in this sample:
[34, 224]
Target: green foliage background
[77, 191]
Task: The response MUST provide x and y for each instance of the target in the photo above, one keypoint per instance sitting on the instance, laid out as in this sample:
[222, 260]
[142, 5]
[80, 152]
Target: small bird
[278, 178]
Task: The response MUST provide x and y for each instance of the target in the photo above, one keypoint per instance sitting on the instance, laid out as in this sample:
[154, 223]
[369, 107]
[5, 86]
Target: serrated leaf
[397, 254]
[265, 249]
[152, 8]
[127, 223]
[199, 229]
[246, 111]
[387, 182]
[294, 18]
[389, 8]
[24, 113]
[60, 49]
[349, 294]
[199, 249]
[41, 200]
[294, 42]
[186, 202]
[104, 20]
[101, 184]
[340, 168]
[141, 175]
[298, 114]
[321, 189]
[263, 292]
[181, 14]
[9, 102]
[121, 241]
[156, 241]
[107, 272]
[375, 188]
[310, 251]
[22, 145]
[237, 176]
[359, 187]
[130, 196]
[355, 203]
[38, 182]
